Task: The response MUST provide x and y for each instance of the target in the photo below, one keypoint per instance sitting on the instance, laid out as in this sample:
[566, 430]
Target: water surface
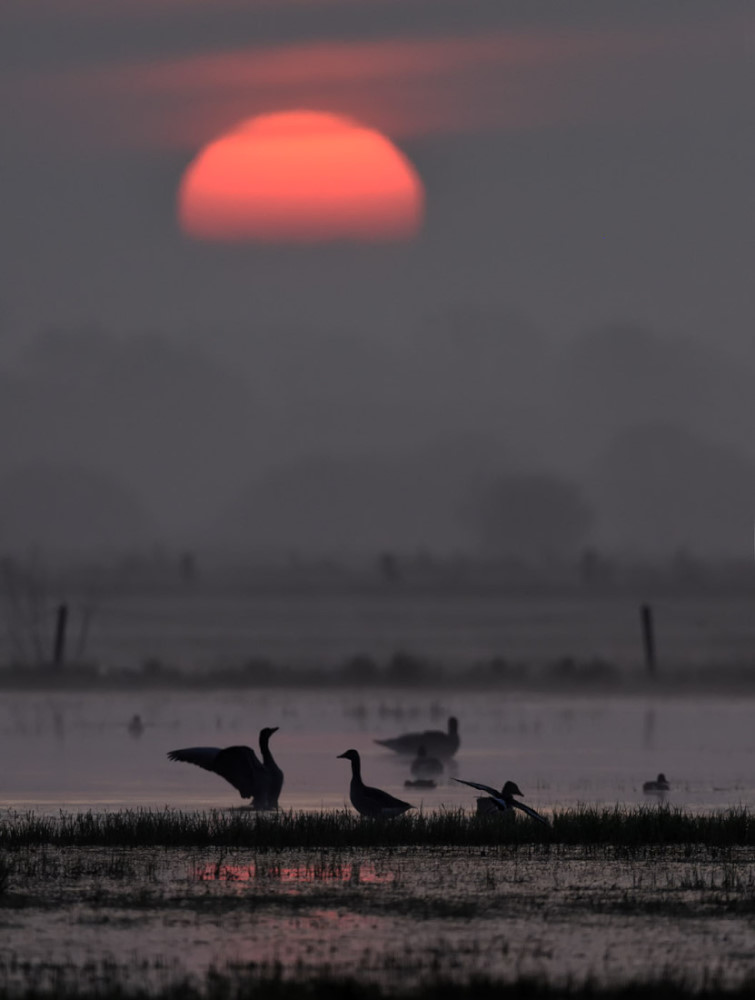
[74, 751]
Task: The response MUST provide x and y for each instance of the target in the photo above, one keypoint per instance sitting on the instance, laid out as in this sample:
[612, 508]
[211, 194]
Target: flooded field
[564, 914]
[400, 917]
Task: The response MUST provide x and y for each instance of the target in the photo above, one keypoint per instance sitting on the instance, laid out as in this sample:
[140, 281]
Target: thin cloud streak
[407, 87]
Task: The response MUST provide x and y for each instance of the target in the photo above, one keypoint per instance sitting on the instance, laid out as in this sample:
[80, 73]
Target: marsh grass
[633, 829]
[4, 874]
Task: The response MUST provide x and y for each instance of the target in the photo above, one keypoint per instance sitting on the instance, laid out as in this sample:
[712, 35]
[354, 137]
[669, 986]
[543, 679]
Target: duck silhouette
[659, 785]
[502, 801]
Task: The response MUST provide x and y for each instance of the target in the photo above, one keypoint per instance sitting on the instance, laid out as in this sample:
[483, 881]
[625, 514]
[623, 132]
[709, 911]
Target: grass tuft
[644, 826]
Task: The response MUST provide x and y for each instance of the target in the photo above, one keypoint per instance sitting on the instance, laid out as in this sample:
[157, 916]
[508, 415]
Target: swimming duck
[259, 780]
[502, 801]
[435, 741]
[424, 766]
[373, 802]
[659, 785]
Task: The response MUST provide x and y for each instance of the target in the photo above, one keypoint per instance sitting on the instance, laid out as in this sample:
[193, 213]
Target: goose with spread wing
[259, 780]
[435, 741]
[367, 801]
[504, 800]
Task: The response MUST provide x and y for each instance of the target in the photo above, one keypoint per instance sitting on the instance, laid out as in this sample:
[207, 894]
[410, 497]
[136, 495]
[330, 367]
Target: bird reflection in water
[135, 727]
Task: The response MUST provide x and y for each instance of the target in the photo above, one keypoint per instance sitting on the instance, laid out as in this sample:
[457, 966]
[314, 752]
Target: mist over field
[477, 433]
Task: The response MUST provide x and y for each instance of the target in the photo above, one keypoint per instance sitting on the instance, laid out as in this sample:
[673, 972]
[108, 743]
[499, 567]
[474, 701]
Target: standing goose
[259, 780]
[659, 785]
[435, 741]
[373, 802]
[502, 801]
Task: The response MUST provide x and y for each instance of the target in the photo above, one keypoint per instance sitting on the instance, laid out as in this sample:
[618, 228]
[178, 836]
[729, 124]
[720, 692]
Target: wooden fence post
[59, 650]
[648, 638]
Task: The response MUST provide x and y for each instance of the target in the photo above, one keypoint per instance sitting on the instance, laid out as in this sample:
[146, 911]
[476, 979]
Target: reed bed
[644, 826]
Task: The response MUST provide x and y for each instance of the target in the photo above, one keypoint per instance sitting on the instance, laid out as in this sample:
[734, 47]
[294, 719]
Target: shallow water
[74, 751]
[394, 916]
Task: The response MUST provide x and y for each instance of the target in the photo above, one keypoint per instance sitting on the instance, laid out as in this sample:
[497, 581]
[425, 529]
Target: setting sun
[300, 177]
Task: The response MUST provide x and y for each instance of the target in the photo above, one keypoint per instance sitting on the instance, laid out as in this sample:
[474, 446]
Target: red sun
[300, 177]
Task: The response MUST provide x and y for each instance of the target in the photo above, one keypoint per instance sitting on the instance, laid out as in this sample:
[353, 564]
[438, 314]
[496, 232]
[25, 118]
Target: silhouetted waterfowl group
[262, 780]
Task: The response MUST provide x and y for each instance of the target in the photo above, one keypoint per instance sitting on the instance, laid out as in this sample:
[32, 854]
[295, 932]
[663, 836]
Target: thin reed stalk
[621, 827]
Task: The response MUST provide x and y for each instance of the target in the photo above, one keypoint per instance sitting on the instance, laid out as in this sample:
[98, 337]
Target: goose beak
[274, 729]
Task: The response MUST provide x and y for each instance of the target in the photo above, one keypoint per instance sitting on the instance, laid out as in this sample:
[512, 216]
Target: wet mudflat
[396, 917]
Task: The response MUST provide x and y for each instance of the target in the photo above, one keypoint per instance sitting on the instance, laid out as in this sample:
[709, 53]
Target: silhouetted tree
[187, 567]
[662, 489]
[388, 567]
[531, 515]
[593, 567]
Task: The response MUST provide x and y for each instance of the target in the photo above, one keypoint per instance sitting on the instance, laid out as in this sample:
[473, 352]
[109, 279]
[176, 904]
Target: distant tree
[662, 489]
[68, 506]
[388, 568]
[187, 566]
[593, 567]
[533, 516]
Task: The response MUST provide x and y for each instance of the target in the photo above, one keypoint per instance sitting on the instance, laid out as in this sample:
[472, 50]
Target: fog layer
[476, 432]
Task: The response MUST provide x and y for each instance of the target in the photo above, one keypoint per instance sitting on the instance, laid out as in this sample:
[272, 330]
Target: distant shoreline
[566, 675]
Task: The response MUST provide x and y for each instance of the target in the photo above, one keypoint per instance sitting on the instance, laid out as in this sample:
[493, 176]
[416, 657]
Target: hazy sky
[584, 162]
[572, 304]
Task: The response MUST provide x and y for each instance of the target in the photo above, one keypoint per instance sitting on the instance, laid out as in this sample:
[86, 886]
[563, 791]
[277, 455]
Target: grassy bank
[620, 827]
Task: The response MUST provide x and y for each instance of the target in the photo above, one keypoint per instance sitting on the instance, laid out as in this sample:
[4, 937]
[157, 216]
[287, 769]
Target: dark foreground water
[398, 917]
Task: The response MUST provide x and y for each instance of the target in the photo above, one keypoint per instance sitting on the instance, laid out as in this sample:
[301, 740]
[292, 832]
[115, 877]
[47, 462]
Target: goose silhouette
[367, 801]
[435, 741]
[255, 779]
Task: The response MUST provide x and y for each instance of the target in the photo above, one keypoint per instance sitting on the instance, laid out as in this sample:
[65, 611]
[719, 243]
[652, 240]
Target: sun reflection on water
[361, 874]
